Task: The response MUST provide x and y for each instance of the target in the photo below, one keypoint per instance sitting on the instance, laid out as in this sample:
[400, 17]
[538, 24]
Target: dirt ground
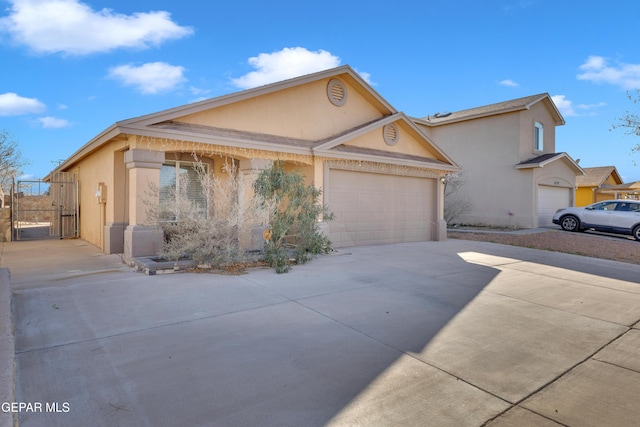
[621, 248]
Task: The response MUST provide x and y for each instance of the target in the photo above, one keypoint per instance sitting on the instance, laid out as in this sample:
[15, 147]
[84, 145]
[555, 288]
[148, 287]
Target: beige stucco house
[379, 172]
[512, 173]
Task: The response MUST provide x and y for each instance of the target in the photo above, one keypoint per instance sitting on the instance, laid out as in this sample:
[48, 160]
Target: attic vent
[390, 134]
[337, 92]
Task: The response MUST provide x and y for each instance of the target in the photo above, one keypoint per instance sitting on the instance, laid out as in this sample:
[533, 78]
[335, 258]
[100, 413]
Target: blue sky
[70, 69]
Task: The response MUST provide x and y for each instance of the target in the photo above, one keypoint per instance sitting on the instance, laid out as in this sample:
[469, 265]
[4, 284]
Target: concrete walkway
[454, 333]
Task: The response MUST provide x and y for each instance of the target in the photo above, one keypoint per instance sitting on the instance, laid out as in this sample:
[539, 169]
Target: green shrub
[295, 214]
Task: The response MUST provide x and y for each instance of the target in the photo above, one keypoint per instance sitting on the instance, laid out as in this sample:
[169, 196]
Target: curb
[7, 350]
[517, 231]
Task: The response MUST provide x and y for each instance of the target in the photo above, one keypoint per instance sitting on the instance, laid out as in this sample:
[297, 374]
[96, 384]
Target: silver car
[611, 216]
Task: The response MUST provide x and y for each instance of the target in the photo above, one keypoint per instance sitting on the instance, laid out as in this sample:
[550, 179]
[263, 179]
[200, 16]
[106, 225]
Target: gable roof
[510, 106]
[545, 159]
[595, 177]
[344, 71]
[165, 124]
[336, 147]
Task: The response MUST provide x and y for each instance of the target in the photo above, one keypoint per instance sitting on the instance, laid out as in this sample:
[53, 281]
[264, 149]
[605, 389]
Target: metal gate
[45, 209]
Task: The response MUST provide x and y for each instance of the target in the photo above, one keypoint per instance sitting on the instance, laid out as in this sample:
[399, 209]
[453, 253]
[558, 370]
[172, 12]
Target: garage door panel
[375, 208]
[550, 199]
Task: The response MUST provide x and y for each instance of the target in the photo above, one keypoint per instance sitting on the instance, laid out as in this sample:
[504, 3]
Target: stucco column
[143, 167]
[249, 170]
[319, 182]
[441, 224]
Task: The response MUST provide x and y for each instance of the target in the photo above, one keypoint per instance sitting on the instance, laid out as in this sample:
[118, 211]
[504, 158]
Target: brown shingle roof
[233, 133]
[500, 107]
[595, 177]
[540, 159]
[545, 159]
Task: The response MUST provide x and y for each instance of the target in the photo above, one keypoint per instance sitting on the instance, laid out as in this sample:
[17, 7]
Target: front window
[538, 136]
[179, 181]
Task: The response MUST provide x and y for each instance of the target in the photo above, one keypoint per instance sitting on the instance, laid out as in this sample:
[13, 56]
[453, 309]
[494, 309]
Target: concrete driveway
[453, 333]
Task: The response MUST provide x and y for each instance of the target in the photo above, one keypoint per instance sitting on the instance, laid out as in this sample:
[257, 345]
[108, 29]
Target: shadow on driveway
[434, 333]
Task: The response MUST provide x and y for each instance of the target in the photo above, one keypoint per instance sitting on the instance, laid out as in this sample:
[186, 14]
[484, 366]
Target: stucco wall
[537, 113]
[300, 112]
[488, 150]
[407, 143]
[94, 169]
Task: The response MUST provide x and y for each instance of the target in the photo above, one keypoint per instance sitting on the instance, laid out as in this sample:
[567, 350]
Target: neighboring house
[380, 174]
[594, 185]
[513, 176]
[629, 190]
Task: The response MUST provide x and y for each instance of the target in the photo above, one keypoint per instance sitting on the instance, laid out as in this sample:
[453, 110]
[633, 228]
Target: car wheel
[636, 232]
[570, 223]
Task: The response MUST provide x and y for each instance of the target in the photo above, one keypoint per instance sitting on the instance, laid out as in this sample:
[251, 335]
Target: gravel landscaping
[620, 248]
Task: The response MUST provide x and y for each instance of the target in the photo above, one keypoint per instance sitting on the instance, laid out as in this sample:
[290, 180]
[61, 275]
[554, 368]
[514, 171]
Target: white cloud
[285, 64]
[365, 76]
[52, 122]
[596, 69]
[152, 77]
[12, 104]
[509, 83]
[74, 28]
[591, 106]
[567, 108]
[564, 105]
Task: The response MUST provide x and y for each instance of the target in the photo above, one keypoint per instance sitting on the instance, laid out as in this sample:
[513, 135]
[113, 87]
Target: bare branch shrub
[206, 231]
[455, 204]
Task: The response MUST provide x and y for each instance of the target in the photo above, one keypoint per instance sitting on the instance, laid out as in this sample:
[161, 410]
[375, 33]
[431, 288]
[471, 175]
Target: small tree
[294, 220]
[454, 203]
[630, 122]
[11, 161]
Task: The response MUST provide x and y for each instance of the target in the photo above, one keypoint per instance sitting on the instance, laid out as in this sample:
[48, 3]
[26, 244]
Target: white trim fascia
[388, 160]
[400, 116]
[428, 139]
[551, 160]
[553, 104]
[107, 134]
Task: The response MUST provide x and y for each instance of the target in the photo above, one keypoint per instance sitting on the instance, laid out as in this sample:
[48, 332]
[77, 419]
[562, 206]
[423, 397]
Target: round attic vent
[390, 134]
[337, 92]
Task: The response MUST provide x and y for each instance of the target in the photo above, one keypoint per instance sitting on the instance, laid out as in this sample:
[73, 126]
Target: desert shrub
[206, 231]
[294, 214]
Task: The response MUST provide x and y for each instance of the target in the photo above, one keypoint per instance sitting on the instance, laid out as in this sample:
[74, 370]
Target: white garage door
[373, 208]
[550, 199]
